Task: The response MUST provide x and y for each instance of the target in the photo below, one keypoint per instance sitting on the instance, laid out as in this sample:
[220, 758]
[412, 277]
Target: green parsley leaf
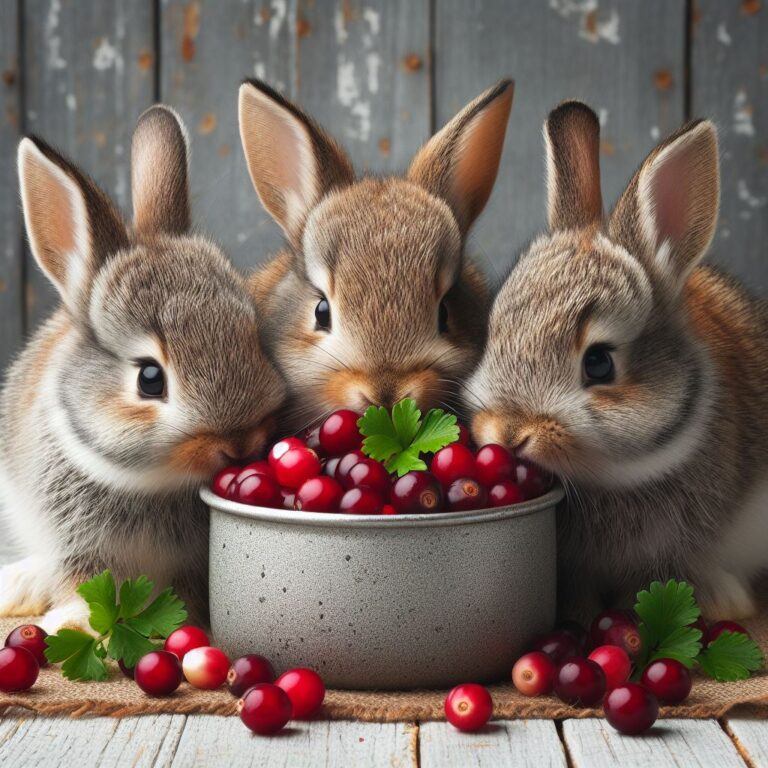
[381, 439]
[438, 430]
[78, 652]
[162, 616]
[406, 418]
[664, 608]
[683, 644]
[404, 462]
[134, 594]
[101, 596]
[127, 644]
[731, 656]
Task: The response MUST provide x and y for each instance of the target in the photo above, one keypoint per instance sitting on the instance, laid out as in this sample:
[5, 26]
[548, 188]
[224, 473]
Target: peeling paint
[279, 13]
[742, 190]
[373, 19]
[346, 86]
[592, 27]
[742, 114]
[107, 56]
[722, 34]
[372, 65]
[260, 70]
[71, 102]
[602, 116]
[340, 26]
[655, 132]
[55, 60]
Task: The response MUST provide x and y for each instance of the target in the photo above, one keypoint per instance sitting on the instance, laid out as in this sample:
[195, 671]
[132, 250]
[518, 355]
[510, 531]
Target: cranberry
[533, 480]
[247, 671]
[558, 645]
[668, 680]
[719, 627]
[631, 709]
[288, 497]
[311, 439]
[465, 494]
[505, 493]
[468, 707]
[388, 509]
[265, 708]
[339, 433]
[534, 674]
[346, 462]
[604, 621]
[703, 627]
[305, 689]
[614, 662]
[222, 479]
[580, 682]
[295, 466]
[453, 462]
[281, 447]
[205, 667]
[416, 492]
[361, 501]
[184, 639]
[464, 436]
[627, 637]
[258, 490]
[31, 637]
[158, 673]
[574, 629]
[331, 465]
[126, 670]
[494, 464]
[369, 473]
[18, 669]
[319, 494]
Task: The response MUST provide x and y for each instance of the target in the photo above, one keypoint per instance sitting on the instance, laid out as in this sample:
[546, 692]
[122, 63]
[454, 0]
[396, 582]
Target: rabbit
[639, 377]
[147, 378]
[373, 299]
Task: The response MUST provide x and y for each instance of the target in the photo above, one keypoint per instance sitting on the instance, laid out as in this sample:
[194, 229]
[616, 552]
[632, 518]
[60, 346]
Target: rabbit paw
[23, 588]
[72, 613]
[727, 597]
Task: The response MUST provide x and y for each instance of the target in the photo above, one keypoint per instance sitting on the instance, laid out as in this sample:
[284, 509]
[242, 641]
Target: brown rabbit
[373, 300]
[636, 375]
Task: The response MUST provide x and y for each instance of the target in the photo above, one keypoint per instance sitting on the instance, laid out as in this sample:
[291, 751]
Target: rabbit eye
[598, 365]
[151, 380]
[442, 318]
[323, 315]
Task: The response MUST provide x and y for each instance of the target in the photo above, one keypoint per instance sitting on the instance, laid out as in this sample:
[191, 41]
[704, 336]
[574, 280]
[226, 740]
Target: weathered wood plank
[211, 740]
[89, 74]
[11, 253]
[751, 737]
[533, 743]
[593, 743]
[624, 59]
[730, 85]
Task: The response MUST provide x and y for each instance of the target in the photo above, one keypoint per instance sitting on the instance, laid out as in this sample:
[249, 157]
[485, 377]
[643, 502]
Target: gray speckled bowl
[394, 602]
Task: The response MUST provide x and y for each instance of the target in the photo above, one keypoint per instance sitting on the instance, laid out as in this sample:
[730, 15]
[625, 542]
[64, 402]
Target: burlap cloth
[119, 697]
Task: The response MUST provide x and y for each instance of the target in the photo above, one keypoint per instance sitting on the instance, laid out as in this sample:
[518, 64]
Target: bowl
[383, 602]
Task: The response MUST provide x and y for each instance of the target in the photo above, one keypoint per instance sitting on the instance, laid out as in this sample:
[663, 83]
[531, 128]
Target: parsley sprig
[125, 629]
[398, 439]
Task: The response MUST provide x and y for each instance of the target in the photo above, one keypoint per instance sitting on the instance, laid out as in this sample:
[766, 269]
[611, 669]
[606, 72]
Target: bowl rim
[336, 520]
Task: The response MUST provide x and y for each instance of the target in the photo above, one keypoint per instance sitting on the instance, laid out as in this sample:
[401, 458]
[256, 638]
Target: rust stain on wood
[695, 15]
[207, 124]
[750, 7]
[190, 31]
[9, 77]
[100, 138]
[145, 60]
[663, 80]
[590, 23]
[265, 14]
[412, 62]
[303, 27]
[385, 146]
[348, 12]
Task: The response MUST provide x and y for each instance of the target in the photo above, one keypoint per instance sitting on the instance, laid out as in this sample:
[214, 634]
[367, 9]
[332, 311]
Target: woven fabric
[119, 697]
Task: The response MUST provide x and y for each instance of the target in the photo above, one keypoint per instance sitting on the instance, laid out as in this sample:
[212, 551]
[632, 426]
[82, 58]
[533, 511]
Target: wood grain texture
[11, 253]
[593, 743]
[751, 737]
[730, 85]
[521, 743]
[89, 74]
[626, 60]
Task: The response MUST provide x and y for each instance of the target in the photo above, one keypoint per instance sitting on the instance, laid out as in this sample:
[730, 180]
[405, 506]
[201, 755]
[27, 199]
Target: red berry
[259, 491]
[126, 670]
[339, 433]
[369, 473]
[311, 439]
[494, 464]
[184, 639]
[416, 493]
[297, 465]
[305, 689]
[533, 480]
[574, 629]
[668, 680]
[18, 669]
[719, 627]
[464, 436]
[631, 709]
[319, 494]
[626, 636]
[288, 498]
[558, 645]
[505, 493]
[265, 708]
[580, 682]
[388, 509]
[281, 447]
[205, 667]
[604, 621]
[247, 671]
[331, 465]
[703, 627]
[533, 674]
[361, 501]
[453, 462]
[31, 637]
[158, 673]
[468, 707]
[222, 480]
[614, 662]
[345, 464]
[465, 494]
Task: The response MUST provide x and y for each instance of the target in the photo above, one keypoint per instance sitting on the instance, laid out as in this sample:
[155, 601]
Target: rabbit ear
[572, 139]
[71, 224]
[293, 163]
[159, 173]
[668, 213]
[460, 162]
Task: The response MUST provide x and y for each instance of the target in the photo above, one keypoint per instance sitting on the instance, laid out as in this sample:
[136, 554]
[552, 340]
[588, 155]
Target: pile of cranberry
[265, 704]
[326, 470]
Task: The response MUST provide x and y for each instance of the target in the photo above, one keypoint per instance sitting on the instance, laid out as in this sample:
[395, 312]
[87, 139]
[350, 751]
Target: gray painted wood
[89, 74]
[521, 743]
[751, 736]
[593, 743]
[624, 59]
[11, 254]
[730, 85]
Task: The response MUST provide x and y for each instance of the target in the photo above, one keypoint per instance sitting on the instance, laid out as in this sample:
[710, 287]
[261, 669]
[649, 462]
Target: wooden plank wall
[381, 75]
